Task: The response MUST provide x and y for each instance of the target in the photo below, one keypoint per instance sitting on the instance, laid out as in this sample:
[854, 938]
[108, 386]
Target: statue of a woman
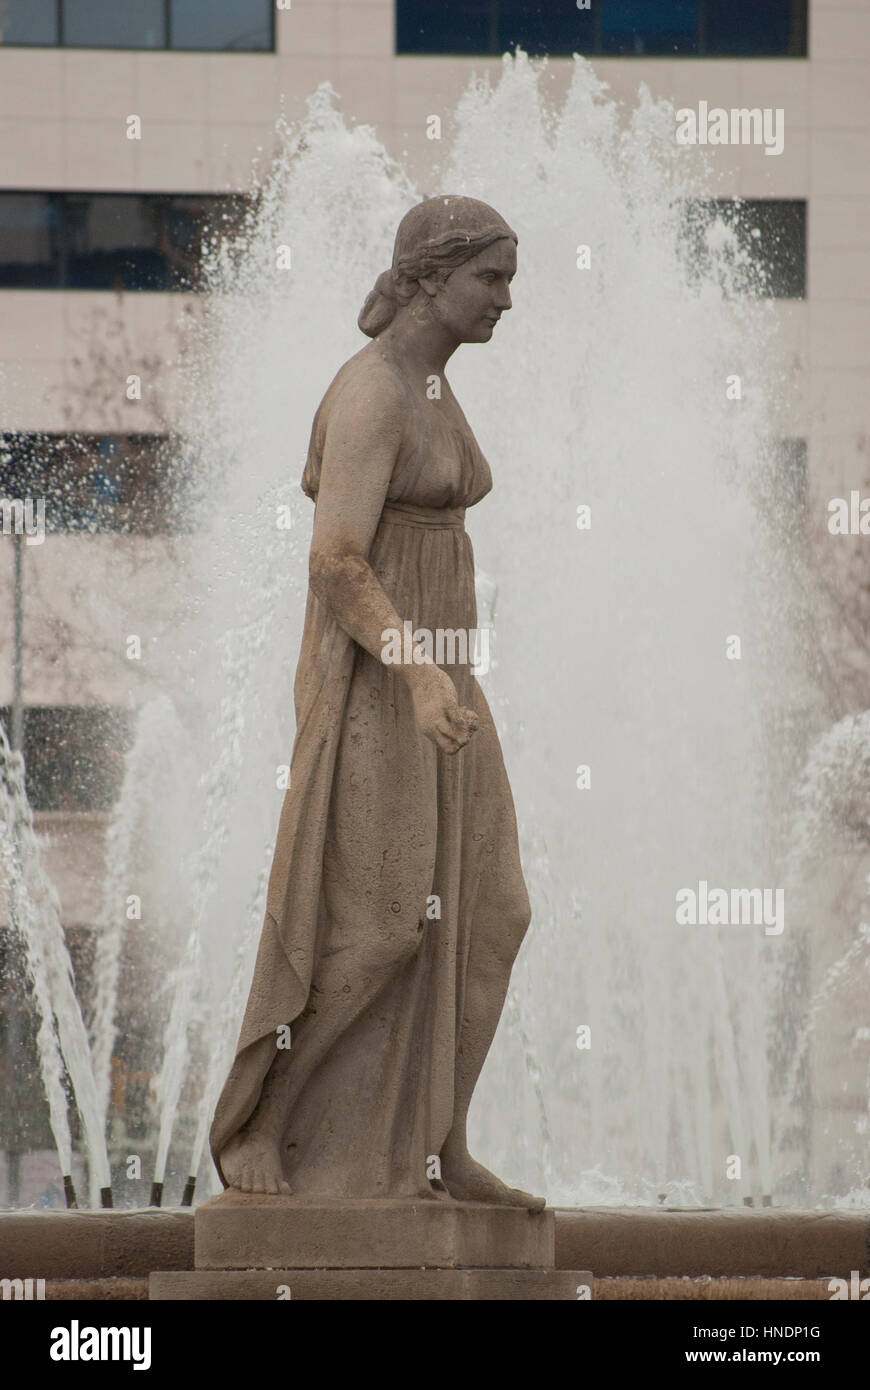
[396, 901]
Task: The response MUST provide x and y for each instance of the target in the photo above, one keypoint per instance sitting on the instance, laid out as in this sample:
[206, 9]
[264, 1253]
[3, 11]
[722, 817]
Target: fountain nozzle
[187, 1195]
[106, 1197]
[156, 1195]
[69, 1192]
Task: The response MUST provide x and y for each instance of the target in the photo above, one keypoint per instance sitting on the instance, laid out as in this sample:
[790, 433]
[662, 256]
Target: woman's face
[473, 298]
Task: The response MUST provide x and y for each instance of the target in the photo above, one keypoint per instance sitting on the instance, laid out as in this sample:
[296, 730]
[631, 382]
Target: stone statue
[396, 901]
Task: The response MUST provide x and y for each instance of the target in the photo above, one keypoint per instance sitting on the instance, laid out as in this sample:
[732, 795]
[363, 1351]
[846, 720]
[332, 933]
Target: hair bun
[380, 306]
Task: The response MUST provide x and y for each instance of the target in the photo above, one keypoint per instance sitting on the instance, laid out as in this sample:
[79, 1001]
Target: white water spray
[35, 914]
[611, 643]
[603, 388]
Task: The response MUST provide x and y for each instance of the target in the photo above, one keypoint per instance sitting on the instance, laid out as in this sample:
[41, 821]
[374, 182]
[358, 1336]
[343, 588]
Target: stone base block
[369, 1285]
[245, 1231]
[732, 1243]
[94, 1244]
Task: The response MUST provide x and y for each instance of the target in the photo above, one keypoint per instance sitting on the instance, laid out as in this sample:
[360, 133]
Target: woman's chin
[482, 332]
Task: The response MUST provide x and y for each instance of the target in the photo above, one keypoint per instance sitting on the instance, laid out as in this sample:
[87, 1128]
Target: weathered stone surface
[369, 1285]
[93, 1244]
[398, 800]
[243, 1231]
[669, 1289]
[614, 1242]
[637, 1240]
[96, 1291]
[704, 1290]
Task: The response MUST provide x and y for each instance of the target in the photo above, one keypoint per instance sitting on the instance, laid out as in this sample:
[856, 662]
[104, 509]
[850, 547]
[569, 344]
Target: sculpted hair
[416, 257]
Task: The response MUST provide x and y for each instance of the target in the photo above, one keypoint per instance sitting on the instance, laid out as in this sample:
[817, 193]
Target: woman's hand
[439, 714]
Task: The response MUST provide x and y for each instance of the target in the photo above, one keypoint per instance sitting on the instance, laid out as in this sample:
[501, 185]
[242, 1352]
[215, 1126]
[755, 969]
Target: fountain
[634, 1062]
[61, 1039]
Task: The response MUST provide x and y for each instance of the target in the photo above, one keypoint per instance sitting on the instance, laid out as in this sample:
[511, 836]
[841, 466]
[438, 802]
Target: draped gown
[378, 828]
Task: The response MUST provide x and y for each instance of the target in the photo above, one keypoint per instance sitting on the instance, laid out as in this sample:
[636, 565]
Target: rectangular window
[154, 241]
[107, 24]
[74, 755]
[213, 26]
[235, 25]
[654, 28]
[109, 241]
[132, 483]
[438, 26]
[34, 22]
[747, 29]
[772, 232]
[29, 241]
[613, 28]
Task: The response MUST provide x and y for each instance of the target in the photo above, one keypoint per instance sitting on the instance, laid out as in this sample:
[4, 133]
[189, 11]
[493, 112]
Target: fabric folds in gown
[378, 829]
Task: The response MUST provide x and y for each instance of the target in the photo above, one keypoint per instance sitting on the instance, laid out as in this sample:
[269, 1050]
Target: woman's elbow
[335, 574]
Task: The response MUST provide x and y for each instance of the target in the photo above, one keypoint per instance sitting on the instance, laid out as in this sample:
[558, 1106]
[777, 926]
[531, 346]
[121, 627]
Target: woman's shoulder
[370, 378]
[369, 386]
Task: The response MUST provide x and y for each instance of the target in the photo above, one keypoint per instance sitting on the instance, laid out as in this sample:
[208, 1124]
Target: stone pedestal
[268, 1248]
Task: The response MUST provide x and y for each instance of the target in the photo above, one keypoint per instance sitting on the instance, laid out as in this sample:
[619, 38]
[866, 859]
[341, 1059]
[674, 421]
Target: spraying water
[606, 388]
[831, 823]
[139, 818]
[35, 914]
[641, 665]
[12, 817]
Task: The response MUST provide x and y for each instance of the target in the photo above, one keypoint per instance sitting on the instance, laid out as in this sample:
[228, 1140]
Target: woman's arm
[362, 441]
[363, 436]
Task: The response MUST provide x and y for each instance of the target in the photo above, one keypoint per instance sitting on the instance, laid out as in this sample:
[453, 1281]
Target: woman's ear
[430, 283]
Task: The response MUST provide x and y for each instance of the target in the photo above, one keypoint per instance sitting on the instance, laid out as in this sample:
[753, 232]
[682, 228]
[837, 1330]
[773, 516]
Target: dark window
[221, 24]
[544, 28]
[766, 254]
[73, 755]
[210, 25]
[686, 28]
[108, 24]
[136, 483]
[749, 29]
[437, 26]
[653, 27]
[109, 241]
[29, 22]
[29, 240]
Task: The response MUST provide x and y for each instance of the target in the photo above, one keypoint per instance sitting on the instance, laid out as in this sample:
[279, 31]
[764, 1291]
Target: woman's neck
[421, 344]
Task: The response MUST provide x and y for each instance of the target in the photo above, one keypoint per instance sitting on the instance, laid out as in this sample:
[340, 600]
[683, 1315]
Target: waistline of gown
[431, 518]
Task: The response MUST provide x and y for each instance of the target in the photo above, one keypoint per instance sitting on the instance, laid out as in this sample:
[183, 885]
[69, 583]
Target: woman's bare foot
[468, 1181]
[251, 1162]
